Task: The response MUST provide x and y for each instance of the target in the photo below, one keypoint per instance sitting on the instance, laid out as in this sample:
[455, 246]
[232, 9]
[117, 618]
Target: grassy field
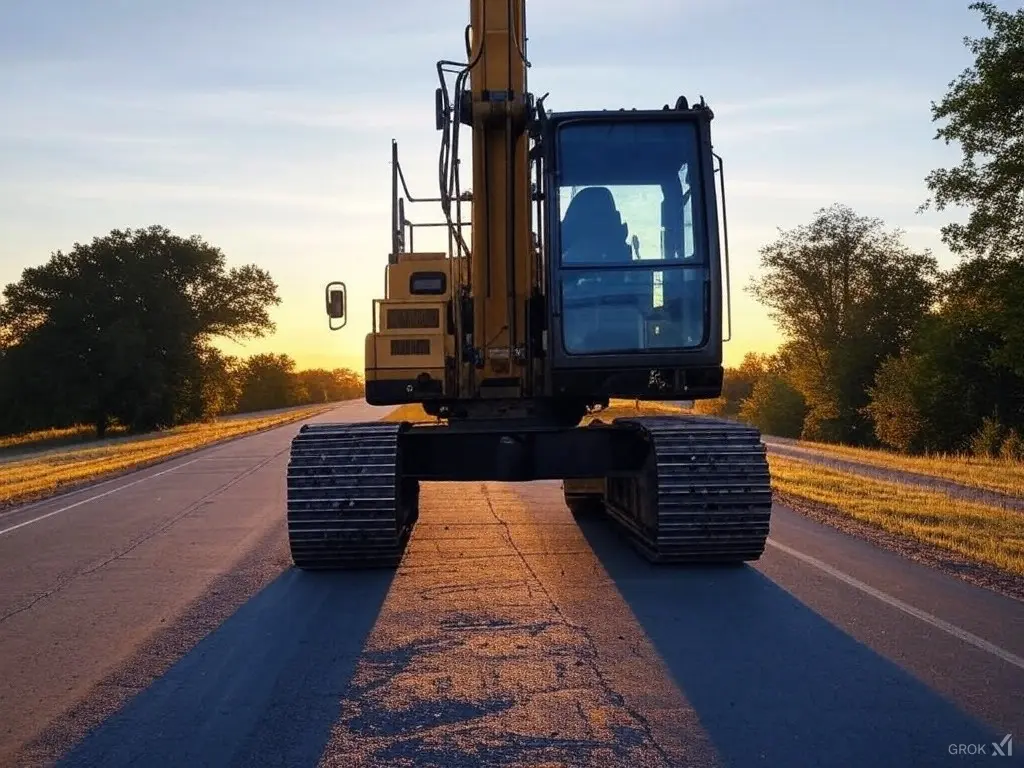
[980, 532]
[616, 409]
[34, 469]
[1000, 475]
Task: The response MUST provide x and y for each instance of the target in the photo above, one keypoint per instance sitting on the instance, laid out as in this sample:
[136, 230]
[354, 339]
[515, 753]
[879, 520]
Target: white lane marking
[935, 621]
[18, 510]
[11, 529]
[92, 486]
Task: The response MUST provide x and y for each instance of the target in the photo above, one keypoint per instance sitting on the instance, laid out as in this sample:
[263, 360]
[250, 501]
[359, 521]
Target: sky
[265, 127]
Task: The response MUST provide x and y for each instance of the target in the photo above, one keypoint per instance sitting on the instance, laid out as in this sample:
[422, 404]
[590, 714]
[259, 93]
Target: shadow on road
[263, 689]
[773, 682]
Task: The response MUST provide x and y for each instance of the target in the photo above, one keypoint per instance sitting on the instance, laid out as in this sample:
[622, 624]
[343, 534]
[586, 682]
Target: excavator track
[347, 504]
[705, 495]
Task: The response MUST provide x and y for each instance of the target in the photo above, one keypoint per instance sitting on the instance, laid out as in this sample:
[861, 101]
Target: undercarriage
[684, 488]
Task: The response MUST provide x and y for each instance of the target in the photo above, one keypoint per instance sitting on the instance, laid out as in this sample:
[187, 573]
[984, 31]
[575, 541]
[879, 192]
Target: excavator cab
[634, 261]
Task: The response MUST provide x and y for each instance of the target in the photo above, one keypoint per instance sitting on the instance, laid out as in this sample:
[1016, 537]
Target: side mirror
[335, 299]
[440, 114]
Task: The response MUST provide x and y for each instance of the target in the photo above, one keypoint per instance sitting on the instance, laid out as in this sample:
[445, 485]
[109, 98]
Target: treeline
[265, 381]
[881, 346]
[121, 331]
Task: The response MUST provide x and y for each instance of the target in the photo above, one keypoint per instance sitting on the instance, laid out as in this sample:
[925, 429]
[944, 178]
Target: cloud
[735, 130]
[821, 193]
[552, 15]
[131, 191]
[868, 99]
[289, 109]
[923, 230]
[787, 102]
[141, 118]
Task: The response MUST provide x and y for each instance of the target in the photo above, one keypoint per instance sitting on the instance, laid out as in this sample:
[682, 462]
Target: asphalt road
[155, 621]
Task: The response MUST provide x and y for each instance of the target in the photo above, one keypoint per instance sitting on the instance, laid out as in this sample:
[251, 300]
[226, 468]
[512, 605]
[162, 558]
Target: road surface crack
[591, 658]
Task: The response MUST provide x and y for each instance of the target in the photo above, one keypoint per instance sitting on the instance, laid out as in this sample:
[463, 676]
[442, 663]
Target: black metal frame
[328, 300]
[686, 373]
[400, 195]
[708, 354]
[514, 452]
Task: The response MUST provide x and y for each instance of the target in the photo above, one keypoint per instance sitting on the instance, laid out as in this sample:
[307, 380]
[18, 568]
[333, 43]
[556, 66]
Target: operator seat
[593, 231]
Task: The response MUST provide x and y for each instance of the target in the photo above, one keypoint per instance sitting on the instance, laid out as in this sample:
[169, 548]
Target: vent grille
[410, 346]
[414, 318]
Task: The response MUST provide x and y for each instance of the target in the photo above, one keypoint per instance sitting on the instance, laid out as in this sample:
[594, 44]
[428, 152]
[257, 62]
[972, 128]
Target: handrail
[725, 245]
[400, 223]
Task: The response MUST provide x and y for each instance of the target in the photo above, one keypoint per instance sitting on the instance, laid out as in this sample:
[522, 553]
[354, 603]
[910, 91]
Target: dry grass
[52, 438]
[1002, 475]
[34, 474]
[415, 414]
[980, 532]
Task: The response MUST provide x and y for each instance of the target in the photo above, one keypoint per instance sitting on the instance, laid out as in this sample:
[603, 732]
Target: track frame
[684, 488]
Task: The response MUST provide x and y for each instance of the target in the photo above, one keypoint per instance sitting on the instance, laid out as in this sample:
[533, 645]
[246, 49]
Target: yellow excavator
[591, 264]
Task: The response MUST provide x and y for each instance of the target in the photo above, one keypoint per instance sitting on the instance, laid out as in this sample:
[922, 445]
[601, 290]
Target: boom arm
[502, 270]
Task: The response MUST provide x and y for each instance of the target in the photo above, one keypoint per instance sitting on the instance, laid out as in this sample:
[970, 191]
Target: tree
[984, 107]
[937, 395]
[972, 349]
[267, 381]
[318, 384]
[323, 386]
[213, 386]
[737, 385]
[901, 399]
[114, 329]
[350, 383]
[991, 293]
[847, 295]
[775, 407]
